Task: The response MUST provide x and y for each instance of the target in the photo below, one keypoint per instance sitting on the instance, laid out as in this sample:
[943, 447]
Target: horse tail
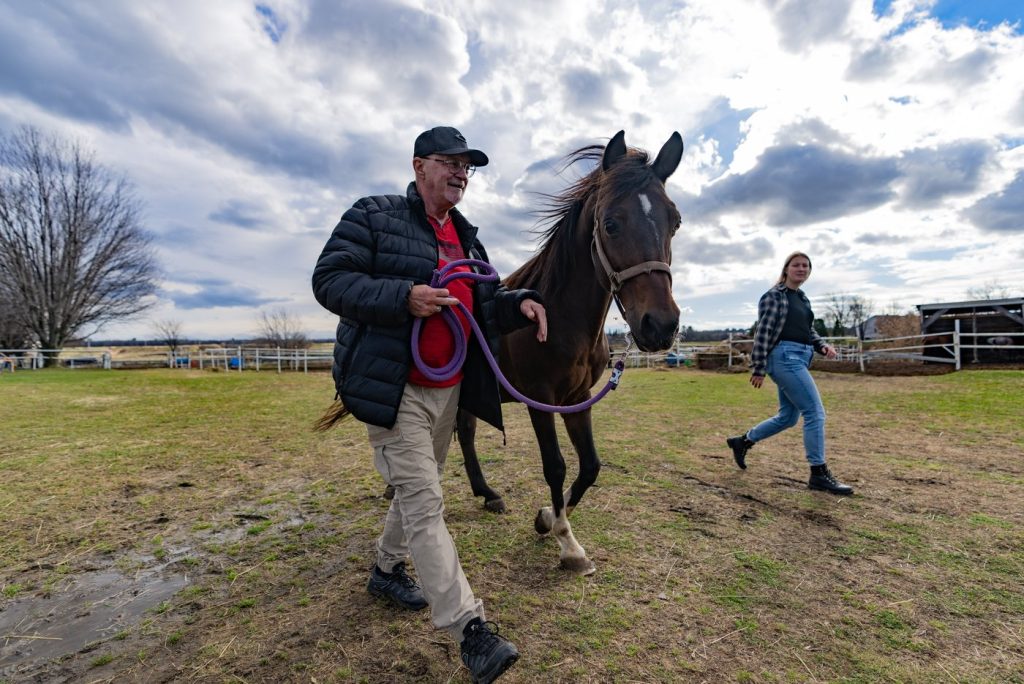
[335, 413]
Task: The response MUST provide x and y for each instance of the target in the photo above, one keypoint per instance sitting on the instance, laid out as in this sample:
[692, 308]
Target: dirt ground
[250, 566]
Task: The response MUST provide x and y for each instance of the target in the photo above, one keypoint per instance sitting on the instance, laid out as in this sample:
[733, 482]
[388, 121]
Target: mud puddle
[94, 608]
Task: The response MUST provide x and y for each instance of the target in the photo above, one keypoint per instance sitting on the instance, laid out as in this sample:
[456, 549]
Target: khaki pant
[410, 457]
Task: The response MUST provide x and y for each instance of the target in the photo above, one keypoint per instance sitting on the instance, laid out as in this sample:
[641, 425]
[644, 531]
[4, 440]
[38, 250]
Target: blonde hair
[785, 265]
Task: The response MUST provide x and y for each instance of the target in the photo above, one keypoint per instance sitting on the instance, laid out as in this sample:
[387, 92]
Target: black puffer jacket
[382, 247]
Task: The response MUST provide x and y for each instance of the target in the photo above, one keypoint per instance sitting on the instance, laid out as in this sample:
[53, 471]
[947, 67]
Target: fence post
[956, 342]
[257, 359]
[305, 360]
[730, 351]
[278, 359]
[860, 353]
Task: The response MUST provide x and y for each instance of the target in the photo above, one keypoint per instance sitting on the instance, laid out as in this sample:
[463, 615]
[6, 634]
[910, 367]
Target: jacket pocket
[353, 335]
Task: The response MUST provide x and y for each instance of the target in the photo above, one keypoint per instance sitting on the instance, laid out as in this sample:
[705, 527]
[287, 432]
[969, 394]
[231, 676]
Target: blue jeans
[798, 396]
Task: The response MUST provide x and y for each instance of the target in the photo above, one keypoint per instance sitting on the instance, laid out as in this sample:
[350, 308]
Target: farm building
[991, 330]
[885, 325]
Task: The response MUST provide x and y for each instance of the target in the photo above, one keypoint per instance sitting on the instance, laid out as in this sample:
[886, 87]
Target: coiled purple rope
[440, 279]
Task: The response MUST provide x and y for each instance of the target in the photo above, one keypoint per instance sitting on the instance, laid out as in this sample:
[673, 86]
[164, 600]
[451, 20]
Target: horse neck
[578, 297]
[589, 299]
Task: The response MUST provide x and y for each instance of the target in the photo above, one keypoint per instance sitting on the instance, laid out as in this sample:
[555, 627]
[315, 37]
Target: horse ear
[615, 150]
[668, 159]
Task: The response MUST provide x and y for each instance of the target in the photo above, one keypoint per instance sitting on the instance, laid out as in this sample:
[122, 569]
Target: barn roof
[976, 304]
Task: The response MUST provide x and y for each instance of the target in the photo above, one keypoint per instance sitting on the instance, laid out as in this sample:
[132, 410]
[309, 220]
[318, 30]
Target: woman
[784, 345]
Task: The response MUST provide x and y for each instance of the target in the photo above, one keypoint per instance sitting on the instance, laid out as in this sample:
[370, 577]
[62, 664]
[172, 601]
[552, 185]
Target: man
[374, 273]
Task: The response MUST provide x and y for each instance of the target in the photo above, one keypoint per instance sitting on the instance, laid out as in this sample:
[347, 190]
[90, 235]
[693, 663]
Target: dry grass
[213, 486]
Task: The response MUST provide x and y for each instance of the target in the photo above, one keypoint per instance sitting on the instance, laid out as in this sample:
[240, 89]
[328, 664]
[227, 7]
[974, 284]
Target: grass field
[186, 526]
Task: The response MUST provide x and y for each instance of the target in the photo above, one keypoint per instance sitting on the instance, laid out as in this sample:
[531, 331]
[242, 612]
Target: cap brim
[476, 157]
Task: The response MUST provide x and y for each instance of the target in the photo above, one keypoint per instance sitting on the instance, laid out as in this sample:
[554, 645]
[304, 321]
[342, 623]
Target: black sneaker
[823, 480]
[397, 586]
[486, 653]
[740, 446]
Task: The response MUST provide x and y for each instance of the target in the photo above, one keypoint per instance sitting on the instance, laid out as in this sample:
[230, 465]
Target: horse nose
[658, 332]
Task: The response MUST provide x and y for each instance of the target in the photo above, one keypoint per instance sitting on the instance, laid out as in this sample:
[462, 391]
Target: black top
[799, 318]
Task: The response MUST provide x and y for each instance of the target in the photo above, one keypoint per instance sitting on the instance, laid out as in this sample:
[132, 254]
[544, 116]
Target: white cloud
[889, 147]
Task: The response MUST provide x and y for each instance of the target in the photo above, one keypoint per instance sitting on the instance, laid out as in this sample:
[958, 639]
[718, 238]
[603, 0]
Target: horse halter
[617, 278]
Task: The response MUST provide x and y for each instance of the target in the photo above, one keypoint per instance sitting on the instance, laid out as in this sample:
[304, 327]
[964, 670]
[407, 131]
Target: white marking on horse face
[646, 204]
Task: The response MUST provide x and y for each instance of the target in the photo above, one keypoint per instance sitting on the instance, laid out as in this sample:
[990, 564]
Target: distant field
[188, 526]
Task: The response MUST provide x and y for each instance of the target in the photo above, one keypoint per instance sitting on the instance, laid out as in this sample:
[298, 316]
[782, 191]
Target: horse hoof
[541, 524]
[581, 566]
[389, 492]
[495, 505]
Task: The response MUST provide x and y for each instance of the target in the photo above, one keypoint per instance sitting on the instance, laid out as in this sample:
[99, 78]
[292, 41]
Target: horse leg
[555, 518]
[581, 433]
[465, 429]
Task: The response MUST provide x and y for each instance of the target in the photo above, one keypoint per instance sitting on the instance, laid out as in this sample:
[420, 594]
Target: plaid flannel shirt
[771, 316]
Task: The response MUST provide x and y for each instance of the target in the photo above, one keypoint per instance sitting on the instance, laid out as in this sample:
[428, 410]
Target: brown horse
[610, 238]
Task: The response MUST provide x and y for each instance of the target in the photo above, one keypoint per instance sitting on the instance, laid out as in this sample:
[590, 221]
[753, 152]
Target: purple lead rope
[444, 276]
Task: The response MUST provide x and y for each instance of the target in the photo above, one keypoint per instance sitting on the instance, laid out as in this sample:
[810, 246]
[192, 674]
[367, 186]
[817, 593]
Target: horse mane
[551, 267]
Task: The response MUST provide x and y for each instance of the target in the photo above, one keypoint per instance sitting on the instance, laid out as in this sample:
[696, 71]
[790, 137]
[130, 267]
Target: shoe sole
[496, 672]
[830, 491]
[388, 597]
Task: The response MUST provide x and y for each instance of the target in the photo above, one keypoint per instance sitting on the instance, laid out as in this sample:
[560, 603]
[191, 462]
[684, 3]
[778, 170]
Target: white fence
[34, 359]
[253, 358]
[229, 359]
[935, 347]
[947, 347]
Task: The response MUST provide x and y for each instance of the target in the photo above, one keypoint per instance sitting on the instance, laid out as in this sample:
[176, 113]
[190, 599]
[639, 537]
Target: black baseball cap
[446, 140]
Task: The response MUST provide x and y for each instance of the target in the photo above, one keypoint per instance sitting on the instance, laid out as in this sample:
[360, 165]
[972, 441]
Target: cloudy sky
[884, 138]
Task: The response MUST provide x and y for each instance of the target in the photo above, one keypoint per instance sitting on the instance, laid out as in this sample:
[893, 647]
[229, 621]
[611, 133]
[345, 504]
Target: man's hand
[426, 301]
[829, 351]
[757, 381]
[536, 313]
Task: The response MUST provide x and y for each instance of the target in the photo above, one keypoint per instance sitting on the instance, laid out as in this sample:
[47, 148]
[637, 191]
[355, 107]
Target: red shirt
[437, 346]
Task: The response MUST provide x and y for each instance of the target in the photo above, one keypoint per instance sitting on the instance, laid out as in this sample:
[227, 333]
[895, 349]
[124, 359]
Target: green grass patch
[704, 572]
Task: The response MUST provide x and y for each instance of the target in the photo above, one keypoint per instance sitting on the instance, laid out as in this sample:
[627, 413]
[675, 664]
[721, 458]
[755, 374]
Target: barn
[991, 330]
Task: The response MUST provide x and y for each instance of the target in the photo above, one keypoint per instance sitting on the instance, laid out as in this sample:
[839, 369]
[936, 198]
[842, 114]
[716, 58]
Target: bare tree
[992, 289]
[13, 333]
[894, 308]
[837, 312]
[860, 310]
[73, 253]
[169, 332]
[846, 311]
[278, 329]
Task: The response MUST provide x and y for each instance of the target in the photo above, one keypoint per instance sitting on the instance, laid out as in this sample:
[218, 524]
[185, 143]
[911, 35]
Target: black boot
[397, 586]
[740, 446]
[486, 653]
[822, 479]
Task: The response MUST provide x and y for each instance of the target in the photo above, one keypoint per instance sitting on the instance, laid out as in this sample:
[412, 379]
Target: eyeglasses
[455, 166]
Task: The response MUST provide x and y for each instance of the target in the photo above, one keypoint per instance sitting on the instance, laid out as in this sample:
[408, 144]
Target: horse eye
[610, 226]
